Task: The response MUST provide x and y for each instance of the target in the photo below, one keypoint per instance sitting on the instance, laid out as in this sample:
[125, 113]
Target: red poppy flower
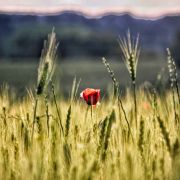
[91, 96]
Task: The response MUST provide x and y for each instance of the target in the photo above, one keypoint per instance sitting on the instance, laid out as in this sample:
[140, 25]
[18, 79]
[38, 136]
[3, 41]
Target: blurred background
[83, 42]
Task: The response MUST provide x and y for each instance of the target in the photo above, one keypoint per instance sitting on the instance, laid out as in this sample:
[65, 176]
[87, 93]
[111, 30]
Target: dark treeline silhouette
[22, 36]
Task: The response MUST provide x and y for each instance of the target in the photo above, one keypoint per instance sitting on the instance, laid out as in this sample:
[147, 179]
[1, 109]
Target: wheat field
[45, 136]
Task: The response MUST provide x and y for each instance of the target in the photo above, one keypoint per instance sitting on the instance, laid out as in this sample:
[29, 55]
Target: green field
[20, 76]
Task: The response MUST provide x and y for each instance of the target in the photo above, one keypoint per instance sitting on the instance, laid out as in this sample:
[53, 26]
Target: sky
[146, 8]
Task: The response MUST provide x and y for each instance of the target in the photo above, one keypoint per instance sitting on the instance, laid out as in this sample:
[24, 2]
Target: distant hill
[22, 35]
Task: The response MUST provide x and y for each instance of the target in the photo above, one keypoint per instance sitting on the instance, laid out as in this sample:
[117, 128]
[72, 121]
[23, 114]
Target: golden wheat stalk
[173, 83]
[131, 51]
[45, 69]
[173, 73]
[116, 91]
[112, 75]
[47, 62]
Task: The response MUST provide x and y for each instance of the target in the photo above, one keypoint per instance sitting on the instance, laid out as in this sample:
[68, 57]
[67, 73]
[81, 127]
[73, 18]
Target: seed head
[171, 68]
[47, 63]
[131, 51]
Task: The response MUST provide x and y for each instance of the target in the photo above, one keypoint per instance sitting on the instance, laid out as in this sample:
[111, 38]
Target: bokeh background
[84, 40]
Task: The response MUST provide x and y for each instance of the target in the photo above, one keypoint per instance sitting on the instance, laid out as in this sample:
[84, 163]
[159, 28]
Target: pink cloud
[140, 8]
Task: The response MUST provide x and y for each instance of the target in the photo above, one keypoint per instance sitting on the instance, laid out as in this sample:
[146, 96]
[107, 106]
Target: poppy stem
[86, 113]
[91, 113]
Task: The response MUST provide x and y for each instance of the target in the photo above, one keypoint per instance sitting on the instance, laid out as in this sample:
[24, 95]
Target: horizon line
[89, 13]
